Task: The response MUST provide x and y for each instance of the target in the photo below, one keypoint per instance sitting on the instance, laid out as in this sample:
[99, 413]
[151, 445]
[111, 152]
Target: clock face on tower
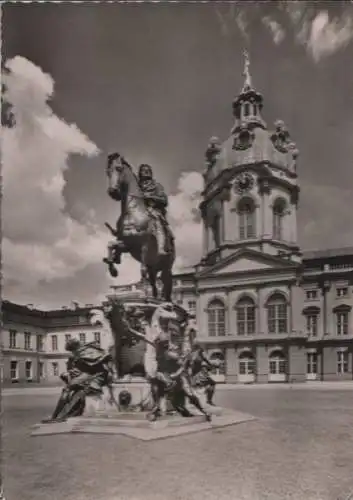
[243, 183]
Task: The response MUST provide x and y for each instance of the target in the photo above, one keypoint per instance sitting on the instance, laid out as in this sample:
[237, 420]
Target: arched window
[277, 221]
[278, 363]
[246, 363]
[246, 316]
[246, 213]
[216, 318]
[277, 317]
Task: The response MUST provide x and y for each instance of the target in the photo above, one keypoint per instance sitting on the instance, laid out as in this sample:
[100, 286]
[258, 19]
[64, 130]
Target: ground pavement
[299, 448]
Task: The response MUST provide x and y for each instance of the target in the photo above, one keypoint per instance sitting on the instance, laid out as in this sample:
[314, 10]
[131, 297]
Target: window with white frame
[342, 291]
[277, 363]
[55, 369]
[40, 343]
[342, 362]
[97, 337]
[28, 339]
[246, 316]
[28, 370]
[54, 343]
[192, 306]
[311, 294]
[342, 322]
[312, 324]
[246, 363]
[216, 318]
[277, 314]
[311, 363]
[13, 339]
[246, 216]
[14, 370]
[278, 213]
[82, 338]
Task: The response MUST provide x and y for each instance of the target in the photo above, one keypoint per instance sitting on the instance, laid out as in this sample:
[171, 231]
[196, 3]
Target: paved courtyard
[300, 447]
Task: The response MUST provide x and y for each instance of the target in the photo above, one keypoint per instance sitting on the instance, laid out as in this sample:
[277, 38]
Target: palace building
[272, 312]
[33, 341]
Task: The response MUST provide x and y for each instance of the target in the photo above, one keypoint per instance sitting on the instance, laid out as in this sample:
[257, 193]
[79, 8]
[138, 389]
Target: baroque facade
[270, 311]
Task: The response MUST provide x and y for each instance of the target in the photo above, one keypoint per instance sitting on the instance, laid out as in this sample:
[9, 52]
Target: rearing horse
[135, 229]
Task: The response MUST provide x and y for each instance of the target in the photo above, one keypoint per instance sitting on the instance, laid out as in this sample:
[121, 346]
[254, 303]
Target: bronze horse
[135, 231]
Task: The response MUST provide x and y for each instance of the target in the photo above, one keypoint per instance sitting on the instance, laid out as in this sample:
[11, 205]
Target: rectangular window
[342, 362]
[14, 370]
[28, 339]
[40, 343]
[13, 339]
[311, 294]
[82, 338]
[273, 367]
[311, 367]
[55, 368]
[28, 369]
[192, 306]
[97, 337]
[54, 343]
[67, 337]
[311, 324]
[41, 369]
[342, 291]
[342, 322]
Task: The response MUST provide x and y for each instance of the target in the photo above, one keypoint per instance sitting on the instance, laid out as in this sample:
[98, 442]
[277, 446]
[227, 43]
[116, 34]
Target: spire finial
[247, 83]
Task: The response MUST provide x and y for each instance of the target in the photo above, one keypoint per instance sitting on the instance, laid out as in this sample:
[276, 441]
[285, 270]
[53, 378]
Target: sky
[155, 82]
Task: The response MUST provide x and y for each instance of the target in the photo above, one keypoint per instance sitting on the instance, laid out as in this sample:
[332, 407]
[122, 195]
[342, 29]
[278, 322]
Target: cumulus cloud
[45, 249]
[276, 30]
[313, 29]
[328, 36]
[40, 241]
[185, 219]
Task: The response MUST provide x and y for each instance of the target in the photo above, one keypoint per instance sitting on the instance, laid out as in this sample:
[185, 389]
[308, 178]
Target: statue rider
[156, 202]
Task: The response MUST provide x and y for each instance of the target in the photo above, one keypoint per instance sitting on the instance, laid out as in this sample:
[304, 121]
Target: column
[231, 365]
[261, 364]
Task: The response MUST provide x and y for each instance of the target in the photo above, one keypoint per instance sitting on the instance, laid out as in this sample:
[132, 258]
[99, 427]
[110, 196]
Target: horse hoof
[208, 417]
[112, 271]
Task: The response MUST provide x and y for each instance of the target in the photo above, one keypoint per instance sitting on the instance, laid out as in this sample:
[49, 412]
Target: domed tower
[251, 191]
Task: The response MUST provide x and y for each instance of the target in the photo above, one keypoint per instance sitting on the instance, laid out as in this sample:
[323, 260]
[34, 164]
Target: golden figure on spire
[246, 73]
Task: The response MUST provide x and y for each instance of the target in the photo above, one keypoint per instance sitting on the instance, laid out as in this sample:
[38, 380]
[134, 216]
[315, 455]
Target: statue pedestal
[136, 425]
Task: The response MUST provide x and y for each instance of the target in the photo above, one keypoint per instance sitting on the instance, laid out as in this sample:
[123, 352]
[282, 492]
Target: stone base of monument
[137, 425]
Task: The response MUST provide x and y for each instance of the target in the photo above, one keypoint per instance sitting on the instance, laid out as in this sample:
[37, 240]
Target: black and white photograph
[176, 250]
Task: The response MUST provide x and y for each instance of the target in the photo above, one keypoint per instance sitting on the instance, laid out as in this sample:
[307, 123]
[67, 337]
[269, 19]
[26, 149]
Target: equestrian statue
[142, 229]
